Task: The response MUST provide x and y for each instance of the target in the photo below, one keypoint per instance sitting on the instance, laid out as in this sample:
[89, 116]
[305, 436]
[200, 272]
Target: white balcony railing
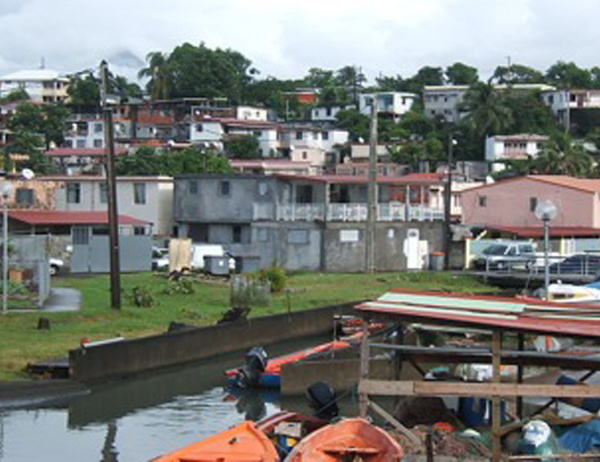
[301, 212]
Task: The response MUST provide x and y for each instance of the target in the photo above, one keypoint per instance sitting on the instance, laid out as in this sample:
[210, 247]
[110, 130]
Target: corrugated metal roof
[488, 312]
[413, 178]
[48, 217]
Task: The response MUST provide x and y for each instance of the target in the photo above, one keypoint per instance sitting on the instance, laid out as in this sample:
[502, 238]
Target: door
[411, 249]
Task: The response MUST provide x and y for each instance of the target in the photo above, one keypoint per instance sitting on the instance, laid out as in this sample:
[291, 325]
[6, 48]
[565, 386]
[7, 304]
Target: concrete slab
[62, 299]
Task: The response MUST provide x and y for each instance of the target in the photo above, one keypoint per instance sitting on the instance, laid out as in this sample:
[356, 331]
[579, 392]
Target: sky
[285, 38]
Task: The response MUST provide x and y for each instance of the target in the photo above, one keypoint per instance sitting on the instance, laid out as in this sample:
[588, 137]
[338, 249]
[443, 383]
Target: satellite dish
[27, 173]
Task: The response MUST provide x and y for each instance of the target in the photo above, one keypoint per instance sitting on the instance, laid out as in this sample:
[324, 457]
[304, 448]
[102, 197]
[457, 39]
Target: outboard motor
[323, 400]
[248, 376]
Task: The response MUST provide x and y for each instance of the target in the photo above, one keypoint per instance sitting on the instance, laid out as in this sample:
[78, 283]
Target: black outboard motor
[248, 376]
[323, 400]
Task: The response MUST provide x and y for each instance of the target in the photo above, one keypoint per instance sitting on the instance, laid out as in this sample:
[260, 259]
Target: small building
[328, 114]
[42, 85]
[512, 202]
[512, 147]
[569, 106]
[391, 104]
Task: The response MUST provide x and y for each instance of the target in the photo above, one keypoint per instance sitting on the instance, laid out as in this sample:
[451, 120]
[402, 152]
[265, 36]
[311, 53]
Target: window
[98, 143]
[103, 193]
[139, 231]
[262, 234]
[80, 144]
[551, 99]
[225, 188]
[298, 135]
[482, 201]
[139, 193]
[533, 202]
[193, 187]
[24, 196]
[304, 155]
[349, 235]
[257, 133]
[73, 193]
[97, 128]
[325, 136]
[199, 128]
[262, 188]
[298, 236]
[237, 234]
[328, 111]
[81, 235]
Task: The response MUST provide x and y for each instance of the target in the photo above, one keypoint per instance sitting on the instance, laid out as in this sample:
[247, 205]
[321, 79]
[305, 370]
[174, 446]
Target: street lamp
[6, 191]
[546, 211]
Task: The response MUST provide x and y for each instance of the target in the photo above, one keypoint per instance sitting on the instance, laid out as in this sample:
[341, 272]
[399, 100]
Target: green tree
[319, 78]
[427, 75]
[389, 83]
[530, 114]
[196, 160]
[356, 123]
[517, 73]
[144, 160]
[352, 80]
[243, 147]
[14, 96]
[461, 74]
[569, 75]
[84, 91]
[487, 110]
[563, 156]
[160, 75]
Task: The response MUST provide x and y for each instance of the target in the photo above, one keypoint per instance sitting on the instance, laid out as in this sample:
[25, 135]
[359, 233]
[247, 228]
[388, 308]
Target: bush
[142, 298]
[179, 286]
[276, 277]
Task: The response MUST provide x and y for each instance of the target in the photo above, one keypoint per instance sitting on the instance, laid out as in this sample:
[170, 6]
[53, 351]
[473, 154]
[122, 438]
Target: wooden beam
[434, 388]
[363, 399]
[394, 422]
[496, 410]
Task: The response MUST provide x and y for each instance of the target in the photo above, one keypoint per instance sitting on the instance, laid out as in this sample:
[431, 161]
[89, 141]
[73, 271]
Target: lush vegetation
[202, 304]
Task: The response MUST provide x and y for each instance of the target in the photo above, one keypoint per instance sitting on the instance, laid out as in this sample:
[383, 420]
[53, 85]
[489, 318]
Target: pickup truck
[506, 255]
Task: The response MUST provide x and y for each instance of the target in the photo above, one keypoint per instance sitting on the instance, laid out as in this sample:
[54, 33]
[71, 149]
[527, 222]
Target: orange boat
[242, 443]
[249, 441]
[349, 439]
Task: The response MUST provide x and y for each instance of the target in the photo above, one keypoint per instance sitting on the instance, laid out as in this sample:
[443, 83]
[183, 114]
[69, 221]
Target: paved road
[62, 299]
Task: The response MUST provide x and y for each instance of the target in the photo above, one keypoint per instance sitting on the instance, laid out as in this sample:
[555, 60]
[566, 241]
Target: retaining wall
[134, 356]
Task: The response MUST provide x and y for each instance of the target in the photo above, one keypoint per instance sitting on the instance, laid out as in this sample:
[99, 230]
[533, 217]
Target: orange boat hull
[242, 443]
[347, 440]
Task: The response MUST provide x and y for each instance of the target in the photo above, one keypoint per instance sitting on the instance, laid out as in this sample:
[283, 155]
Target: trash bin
[247, 263]
[216, 265]
[436, 261]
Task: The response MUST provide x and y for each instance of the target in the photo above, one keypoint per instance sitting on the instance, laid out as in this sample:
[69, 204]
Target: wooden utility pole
[111, 181]
[448, 204]
[372, 193]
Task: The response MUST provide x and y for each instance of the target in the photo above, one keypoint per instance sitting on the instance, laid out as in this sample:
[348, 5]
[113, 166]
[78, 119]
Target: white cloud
[285, 39]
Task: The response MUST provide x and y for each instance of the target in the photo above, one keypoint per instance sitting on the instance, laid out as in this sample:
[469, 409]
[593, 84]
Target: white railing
[301, 212]
[354, 212]
[347, 212]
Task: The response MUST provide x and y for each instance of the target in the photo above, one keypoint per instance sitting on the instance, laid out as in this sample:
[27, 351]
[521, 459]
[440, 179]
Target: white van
[199, 251]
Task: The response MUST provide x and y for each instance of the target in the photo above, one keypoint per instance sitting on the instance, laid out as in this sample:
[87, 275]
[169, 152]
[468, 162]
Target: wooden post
[521, 347]
[363, 399]
[496, 400]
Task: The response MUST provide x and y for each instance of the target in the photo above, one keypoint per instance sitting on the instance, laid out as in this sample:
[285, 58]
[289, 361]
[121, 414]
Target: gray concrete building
[311, 222]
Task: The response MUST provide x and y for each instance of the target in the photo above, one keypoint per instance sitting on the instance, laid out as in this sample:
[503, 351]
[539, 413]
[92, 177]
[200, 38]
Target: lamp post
[6, 191]
[546, 211]
[448, 203]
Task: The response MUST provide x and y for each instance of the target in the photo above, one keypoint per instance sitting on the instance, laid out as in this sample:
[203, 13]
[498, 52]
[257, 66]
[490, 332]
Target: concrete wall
[135, 356]
[209, 205]
[390, 240]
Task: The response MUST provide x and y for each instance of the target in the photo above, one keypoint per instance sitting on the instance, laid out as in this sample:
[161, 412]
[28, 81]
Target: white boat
[571, 293]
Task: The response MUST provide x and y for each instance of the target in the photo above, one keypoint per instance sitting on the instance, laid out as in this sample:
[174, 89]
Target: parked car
[506, 255]
[56, 264]
[584, 263]
[160, 259]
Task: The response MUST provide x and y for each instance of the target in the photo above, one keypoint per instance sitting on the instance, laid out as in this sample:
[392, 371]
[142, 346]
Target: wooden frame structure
[500, 317]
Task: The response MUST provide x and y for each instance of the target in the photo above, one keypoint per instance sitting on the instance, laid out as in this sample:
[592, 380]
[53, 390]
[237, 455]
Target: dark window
[325, 135]
[225, 188]
[237, 234]
[298, 135]
[257, 133]
[25, 196]
[193, 187]
[73, 193]
[139, 230]
[483, 201]
[103, 193]
[532, 203]
[98, 128]
[98, 143]
[139, 193]
[81, 235]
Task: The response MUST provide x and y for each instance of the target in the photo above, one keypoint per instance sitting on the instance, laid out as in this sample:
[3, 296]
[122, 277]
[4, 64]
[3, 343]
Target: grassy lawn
[21, 342]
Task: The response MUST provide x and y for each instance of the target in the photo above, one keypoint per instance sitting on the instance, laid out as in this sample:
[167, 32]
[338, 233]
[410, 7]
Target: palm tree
[488, 112]
[563, 156]
[159, 73]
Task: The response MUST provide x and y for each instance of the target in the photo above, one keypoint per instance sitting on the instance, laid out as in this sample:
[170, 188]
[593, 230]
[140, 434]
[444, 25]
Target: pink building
[512, 202]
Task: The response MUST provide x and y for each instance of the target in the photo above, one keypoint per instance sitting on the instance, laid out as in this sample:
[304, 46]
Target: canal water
[143, 417]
